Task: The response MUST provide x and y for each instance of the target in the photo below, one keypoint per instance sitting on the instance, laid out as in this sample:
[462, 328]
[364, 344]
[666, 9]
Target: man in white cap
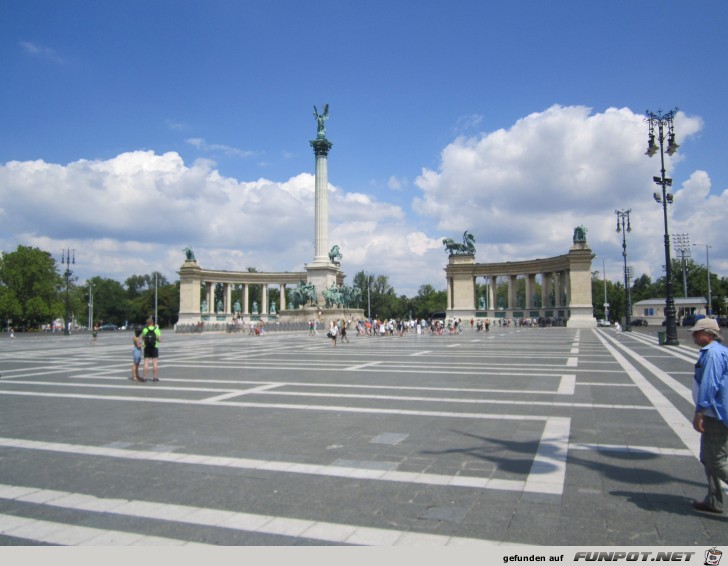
[710, 394]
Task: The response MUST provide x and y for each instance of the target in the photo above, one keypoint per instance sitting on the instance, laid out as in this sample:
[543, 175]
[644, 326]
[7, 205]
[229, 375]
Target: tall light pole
[707, 263]
[682, 246]
[90, 306]
[606, 302]
[664, 122]
[369, 301]
[624, 226]
[68, 257]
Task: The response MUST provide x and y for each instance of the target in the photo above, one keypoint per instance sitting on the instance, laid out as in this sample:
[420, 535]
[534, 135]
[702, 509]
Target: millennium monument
[317, 293]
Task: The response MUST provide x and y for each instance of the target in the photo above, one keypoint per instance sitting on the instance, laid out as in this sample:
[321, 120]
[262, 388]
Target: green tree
[111, 304]
[427, 301]
[30, 287]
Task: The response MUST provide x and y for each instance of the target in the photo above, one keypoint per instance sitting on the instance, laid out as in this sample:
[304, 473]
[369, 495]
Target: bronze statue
[467, 247]
[320, 119]
[335, 255]
[580, 235]
[189, 254]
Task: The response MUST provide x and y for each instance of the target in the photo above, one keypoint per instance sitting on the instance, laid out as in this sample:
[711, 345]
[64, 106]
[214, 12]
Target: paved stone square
[521, 436]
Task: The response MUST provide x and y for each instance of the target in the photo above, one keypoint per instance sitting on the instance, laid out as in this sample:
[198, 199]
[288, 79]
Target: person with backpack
[151, 337]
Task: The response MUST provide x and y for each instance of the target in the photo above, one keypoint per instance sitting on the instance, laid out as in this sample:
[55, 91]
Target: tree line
[34, 291]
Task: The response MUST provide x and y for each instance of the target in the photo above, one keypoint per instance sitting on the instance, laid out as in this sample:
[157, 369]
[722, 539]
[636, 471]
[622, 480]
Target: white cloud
[41, 52]
[520, 191]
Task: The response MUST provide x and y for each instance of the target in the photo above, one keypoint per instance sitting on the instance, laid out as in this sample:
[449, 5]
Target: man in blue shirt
[710, 394]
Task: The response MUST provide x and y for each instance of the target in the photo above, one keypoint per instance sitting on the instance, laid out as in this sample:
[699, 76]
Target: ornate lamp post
[68, 257]
[707, 262]
[622, 219]
[664, 122]
[682, 246]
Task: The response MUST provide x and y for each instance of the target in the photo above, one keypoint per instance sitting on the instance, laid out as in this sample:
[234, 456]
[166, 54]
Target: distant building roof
[678, 301]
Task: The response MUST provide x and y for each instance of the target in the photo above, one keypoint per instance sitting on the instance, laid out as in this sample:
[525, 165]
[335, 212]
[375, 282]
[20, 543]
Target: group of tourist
[146, 341]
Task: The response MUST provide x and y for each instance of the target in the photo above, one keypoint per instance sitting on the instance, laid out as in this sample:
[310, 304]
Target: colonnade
[196, 283]
[555, 291]
[565, 287]
[245, 307]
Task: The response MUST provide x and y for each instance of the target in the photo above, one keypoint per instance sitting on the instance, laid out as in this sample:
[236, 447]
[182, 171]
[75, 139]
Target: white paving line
[674, 418]
[345, 409]
[423, 352]
[572, 362]
[651, 450]
[362, 366]
[318, 530]
[270, 465]
[243, 392]
[682, 390]
[548, 470]
[567, 385]
[73, 535]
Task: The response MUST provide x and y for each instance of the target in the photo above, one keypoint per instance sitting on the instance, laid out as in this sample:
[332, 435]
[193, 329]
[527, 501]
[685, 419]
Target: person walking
[151, 337]
[333, 331]
[710, 394]
[343, 332]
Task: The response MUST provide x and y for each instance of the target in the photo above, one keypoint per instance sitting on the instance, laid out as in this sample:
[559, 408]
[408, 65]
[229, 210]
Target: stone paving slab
[521, 436]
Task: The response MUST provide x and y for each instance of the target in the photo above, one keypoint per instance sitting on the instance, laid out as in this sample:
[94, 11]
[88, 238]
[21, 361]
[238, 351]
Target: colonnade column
[282, 298]
[558, 288]
[567, 288]
[546, 290]
[210, 297]
[228, 298]
[264, 298]
[512, 288]
[492, 288]
[246, 298]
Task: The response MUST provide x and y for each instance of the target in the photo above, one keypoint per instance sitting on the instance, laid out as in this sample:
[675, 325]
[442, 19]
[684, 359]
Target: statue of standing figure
[320, 119]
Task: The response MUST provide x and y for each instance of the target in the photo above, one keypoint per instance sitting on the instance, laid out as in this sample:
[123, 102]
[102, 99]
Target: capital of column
[321, 146]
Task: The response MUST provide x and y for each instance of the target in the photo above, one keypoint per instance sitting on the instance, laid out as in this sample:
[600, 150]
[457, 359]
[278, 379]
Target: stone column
[321, 147]
[282, 298]
[546, 290]
[210, 297]
[492, 288]
[512, 286]
[246, 298]
[530, 286]
[228, 298]
[264, 298]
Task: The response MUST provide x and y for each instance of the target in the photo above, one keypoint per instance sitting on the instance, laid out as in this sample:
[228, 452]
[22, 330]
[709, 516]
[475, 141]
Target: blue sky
[133, 129]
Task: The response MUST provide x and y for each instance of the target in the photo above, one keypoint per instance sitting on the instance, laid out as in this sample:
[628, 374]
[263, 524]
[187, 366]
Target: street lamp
[682, 246]
[622, 219]
[664, 122]
[68, 257]
[90, 306]
[707, 263]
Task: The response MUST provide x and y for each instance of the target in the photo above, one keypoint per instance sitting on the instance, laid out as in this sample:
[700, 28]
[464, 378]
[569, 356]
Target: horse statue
[303, 294]
[580, 235]
[333, 296]
[335, 255]
[189, 254]
[454, 248]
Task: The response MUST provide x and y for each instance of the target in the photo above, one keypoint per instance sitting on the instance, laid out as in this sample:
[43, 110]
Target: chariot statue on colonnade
[454, 248]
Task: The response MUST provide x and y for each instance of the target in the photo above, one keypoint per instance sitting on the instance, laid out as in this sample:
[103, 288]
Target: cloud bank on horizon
[520, 191]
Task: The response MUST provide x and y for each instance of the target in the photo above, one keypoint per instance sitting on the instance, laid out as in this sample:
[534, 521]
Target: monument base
[322, 315]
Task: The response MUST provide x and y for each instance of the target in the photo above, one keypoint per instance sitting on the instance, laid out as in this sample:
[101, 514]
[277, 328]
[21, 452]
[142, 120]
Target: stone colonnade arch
[565, 287]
